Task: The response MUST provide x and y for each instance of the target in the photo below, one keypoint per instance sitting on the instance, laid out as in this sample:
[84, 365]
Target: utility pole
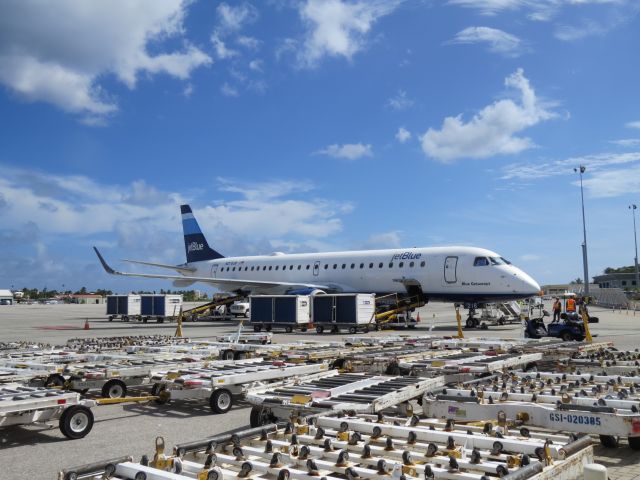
[633, 208]
[585, 262]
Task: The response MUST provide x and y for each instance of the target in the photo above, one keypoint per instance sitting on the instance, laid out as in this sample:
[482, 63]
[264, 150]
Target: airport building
[625, 281]
[86, 298]
[6, 297]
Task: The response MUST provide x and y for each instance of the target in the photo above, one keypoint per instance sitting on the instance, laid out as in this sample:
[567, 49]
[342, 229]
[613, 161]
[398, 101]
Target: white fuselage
[441, 273]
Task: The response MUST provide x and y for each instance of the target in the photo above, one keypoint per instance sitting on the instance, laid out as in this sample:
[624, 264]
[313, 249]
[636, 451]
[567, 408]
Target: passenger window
[480, 262]
[264, 268]
[234, 269]
[371, 265]
[252, 268]
[411, 264]
[277, 266]
[308, 266]
[299, 267]
[390, 264]
[291, 267]
[344, 265]
[335, 265]
[326, 265]
[270, 266]
[380, 265]
[401, 264]
[353, 265]
[423, 263]
[362, 265]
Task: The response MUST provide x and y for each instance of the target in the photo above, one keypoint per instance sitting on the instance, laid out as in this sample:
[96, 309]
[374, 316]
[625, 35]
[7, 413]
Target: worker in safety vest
[570, 305]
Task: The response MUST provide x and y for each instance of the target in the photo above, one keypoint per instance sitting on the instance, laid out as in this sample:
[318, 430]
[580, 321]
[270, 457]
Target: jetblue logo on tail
[194, 246]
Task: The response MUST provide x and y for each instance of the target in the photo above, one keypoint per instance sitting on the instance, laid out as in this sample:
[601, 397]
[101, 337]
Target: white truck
[240, 308]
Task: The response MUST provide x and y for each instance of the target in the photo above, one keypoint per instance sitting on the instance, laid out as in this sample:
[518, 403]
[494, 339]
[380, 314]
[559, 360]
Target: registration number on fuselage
[575, 419]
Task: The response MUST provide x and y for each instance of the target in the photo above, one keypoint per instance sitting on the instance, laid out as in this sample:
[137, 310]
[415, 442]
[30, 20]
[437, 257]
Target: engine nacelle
[305, 291]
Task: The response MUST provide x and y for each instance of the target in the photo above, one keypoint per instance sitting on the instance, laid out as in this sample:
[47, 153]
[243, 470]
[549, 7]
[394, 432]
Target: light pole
[584, 231]
[633, 208]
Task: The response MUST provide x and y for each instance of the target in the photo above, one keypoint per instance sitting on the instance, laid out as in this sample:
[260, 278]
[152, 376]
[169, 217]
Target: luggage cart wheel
[634, 443]
[353, 330]
[221, 401]
[319, 329]
[257, 328]
[114, 389]
[54, 380]
[259, 416]
[609, 441]
[288, 329]
[228, 355]
[76, 422]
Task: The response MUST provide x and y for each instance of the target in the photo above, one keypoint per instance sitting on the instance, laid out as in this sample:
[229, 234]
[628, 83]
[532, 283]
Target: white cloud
[256, 65]
[338, 28]
[188, 90]
[490, 7]
[57, 53]
[572, 33]
[499, 41]
[627, 142]
[400, 101]
[250, 43]
[403, 135]
[530, 257]
[493, 130]
[383, 240]
[234, 18]
[613, 183]
[350, 151]
[635, 124]
[594, 163]
[222, 51]
[229, 90]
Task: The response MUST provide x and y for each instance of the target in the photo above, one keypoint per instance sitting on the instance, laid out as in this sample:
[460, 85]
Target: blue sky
[309, 125]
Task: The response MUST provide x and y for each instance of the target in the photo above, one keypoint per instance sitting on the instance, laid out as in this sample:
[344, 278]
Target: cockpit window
[505, 261]
[480, 262]
[497, 261]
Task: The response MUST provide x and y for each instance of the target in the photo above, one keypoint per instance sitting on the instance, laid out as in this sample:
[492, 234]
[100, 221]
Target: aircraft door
[450, 267]
[214, 270]
[316, 269]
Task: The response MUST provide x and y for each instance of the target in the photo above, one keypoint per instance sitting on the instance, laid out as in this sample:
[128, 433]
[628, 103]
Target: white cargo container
[125, 306]
[290, 312]
[162, 307]
[346, 311]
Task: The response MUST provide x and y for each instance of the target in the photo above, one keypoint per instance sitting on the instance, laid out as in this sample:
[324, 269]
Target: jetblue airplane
[457, 274]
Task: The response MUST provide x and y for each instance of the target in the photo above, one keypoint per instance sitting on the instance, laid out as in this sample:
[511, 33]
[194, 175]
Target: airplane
[450, 274]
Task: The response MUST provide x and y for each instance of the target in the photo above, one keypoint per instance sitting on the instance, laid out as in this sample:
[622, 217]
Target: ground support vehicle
[353, 447]
[287, 312]
[354, 312]
[219, 384]
[332, 391]
[20, 405]
[493, 314]
[161, 307]
[124, 306]
[240, 308]
[608, 406]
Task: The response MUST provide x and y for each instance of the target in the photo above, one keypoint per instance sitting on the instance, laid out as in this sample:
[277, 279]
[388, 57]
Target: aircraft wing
[177, 268]
[232, 284]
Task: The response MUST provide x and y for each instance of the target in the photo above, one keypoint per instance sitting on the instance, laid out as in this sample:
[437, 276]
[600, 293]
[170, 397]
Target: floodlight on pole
[633, 207]
[585, 263]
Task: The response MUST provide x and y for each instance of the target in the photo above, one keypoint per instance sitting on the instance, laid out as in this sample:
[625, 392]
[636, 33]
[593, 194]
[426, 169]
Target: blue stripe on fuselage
[190, 226]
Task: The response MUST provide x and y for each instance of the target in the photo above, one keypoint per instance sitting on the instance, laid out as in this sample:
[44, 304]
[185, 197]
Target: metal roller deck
[352, 448]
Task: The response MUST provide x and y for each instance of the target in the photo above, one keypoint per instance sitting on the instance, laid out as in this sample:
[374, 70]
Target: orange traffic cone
[86, 324]
[418, 318]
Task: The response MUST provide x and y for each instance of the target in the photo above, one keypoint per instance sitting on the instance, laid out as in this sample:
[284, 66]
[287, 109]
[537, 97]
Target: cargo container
[348, 311]
[162, 307]
[289, 312]
[124, 306]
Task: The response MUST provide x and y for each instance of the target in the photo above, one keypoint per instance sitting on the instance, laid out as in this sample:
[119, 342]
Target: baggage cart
[124, 306]
[160, 307]
[288, 312]
[354, 312]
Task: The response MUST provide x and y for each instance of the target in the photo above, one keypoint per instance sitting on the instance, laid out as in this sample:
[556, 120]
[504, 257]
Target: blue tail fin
[195, 245]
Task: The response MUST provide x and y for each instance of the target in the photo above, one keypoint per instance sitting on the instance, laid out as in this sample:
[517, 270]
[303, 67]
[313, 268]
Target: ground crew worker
[571, 305]
[557, 308]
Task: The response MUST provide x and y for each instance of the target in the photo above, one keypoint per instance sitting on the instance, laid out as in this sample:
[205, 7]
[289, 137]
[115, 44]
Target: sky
[315, 125]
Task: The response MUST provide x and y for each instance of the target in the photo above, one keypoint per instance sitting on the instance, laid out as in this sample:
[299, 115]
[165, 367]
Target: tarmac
[130, 429]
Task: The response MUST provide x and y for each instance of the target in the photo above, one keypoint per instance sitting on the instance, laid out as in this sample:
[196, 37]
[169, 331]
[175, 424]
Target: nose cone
[529, 286]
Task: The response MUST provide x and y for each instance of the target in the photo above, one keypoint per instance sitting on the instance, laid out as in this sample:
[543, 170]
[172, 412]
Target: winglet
[105, 265]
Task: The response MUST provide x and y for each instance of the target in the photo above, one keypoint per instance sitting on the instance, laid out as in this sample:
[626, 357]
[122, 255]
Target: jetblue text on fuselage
[194, 246]
[406, 256]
